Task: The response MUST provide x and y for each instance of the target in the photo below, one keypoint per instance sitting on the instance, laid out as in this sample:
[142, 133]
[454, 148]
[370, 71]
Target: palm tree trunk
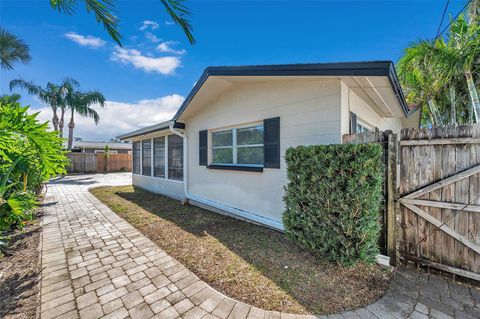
[453, 106]
[472, 90]
[55, 118]
[71, 125]
[433, 109]
[60, 125]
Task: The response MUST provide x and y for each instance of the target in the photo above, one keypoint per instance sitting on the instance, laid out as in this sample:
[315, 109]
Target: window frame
[235, 145]
[365, 127]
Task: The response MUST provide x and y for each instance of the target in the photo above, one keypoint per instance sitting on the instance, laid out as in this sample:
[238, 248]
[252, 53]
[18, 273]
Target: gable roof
[369, 68]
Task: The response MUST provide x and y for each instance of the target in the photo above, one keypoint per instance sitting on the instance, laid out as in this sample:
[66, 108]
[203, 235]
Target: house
[223, 150]
[99, 147]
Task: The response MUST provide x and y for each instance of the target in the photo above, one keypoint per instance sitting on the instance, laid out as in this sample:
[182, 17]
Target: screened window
[159, 156]
[175, 157]
[147, 157]
[136, 157]
[361, 128]
[238, 146]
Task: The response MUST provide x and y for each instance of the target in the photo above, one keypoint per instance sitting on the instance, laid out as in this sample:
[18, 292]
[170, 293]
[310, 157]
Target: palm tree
[53, 95]
[104, 11]
[419, 76]
[12, 50]
[80, 102]
[462, 55]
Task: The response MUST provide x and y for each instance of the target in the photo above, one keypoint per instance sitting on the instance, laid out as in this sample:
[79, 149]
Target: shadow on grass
[318, 286]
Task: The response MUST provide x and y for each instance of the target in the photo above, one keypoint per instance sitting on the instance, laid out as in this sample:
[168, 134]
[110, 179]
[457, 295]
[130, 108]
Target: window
[175, 157]
[147, 157]
[238, 146]
[159, 156]
[136, 157]
[103, 151]
[362, 128]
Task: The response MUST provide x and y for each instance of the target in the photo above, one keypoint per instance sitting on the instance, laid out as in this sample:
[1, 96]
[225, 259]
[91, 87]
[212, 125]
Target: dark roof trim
[153, 128]
[373, 68]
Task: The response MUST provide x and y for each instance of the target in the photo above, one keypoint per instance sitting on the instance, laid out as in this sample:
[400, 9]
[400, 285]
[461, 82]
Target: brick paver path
[95, 265]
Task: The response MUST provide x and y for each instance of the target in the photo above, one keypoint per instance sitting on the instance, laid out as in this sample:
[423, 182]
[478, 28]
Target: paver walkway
[96, 265]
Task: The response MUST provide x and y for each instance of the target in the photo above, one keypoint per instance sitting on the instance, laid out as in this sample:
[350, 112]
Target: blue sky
[146, 80]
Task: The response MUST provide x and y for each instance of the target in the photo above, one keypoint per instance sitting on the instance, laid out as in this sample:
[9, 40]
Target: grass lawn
[247, 262]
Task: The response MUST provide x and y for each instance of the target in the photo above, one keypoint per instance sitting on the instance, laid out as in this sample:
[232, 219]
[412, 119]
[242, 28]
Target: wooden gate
[439, 198]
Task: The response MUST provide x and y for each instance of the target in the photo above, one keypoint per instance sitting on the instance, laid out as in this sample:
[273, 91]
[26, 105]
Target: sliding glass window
[136, 157]
[159, 156]
[147, 157]
[175, 157]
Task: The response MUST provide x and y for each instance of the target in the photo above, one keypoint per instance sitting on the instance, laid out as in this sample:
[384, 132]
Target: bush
[333, 198]
[29, 155]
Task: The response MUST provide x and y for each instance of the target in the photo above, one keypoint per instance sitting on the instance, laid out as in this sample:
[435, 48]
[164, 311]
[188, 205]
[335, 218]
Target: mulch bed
[247, 262]
[19, 274]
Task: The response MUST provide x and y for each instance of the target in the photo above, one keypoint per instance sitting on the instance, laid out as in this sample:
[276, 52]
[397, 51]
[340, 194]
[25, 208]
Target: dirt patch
[19, 274]
[247, 262]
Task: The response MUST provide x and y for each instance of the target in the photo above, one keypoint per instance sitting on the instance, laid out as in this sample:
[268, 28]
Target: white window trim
[234, 145]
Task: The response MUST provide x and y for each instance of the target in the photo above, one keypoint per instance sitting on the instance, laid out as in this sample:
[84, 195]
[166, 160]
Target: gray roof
[145, 130]
[101, 145]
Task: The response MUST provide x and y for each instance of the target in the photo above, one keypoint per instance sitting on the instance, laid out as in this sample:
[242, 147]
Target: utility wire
[451, 20]
[443, 18]
[439, 227]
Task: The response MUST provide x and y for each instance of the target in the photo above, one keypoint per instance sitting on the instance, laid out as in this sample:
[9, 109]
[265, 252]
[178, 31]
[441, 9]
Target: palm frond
[180, 14]
[12, 50]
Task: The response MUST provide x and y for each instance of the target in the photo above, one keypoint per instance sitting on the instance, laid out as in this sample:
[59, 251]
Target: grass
[247, 262]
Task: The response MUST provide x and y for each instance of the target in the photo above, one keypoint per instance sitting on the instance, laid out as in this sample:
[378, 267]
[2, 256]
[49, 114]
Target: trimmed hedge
[333, 199]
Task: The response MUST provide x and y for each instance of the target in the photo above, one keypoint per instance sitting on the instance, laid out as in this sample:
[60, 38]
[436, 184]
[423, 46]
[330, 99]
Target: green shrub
[29, 155]
[332, 200]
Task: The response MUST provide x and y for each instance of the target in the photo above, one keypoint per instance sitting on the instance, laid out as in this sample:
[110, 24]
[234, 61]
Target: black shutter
[271, 143]
[203, 148]
[353, 123]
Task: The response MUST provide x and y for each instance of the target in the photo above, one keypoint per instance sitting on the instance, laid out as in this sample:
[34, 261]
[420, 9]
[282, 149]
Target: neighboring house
[99, 147]
[224, 148]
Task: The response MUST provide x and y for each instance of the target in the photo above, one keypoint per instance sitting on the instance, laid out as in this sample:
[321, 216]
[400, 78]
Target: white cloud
[88, 41]
[117, 118]
[169, 22]
[149, 24]
[166, 47]
[152, 37]
[163, 65]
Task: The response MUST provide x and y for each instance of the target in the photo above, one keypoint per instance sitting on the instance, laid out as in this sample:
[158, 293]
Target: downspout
[235, 212]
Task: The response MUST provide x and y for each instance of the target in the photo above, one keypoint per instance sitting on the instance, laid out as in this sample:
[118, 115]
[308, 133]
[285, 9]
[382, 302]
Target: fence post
[392, 147]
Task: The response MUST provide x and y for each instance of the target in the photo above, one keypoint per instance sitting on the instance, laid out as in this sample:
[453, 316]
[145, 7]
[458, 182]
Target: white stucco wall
[158, 185]
[309, 114]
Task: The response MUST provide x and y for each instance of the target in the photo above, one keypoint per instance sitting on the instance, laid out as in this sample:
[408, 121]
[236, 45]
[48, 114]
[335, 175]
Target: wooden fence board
[94, 163]
[440, 175]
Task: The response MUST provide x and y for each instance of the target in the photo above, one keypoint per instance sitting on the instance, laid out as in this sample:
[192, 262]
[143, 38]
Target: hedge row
[333, 198]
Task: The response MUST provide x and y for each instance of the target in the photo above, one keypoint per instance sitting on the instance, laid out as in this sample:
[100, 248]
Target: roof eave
[374, 68]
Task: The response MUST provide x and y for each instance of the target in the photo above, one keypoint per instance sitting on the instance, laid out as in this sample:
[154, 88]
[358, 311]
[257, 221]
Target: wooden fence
[432, 211]
[95, 163]
[439, 197]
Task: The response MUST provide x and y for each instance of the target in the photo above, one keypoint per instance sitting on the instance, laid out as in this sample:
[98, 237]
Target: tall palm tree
[420, 78]
[104, 11]
[81, 102]
[12, 50]
[52, 94]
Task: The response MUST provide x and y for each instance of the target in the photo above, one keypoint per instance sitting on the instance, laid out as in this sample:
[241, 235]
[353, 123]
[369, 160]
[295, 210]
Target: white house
[223, 150]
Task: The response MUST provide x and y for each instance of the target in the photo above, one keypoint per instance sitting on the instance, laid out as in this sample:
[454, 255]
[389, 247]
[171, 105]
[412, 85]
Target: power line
[443, 18]
[455, 18]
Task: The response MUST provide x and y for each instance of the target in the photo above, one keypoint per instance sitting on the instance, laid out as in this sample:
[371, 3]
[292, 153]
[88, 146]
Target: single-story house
[224, 148]
[99, 147]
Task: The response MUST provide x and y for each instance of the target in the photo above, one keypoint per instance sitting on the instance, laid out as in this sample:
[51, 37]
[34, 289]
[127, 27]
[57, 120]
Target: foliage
[332, 200]
[12, 50]
[29, 155]
[442, 75]
[105, 14]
